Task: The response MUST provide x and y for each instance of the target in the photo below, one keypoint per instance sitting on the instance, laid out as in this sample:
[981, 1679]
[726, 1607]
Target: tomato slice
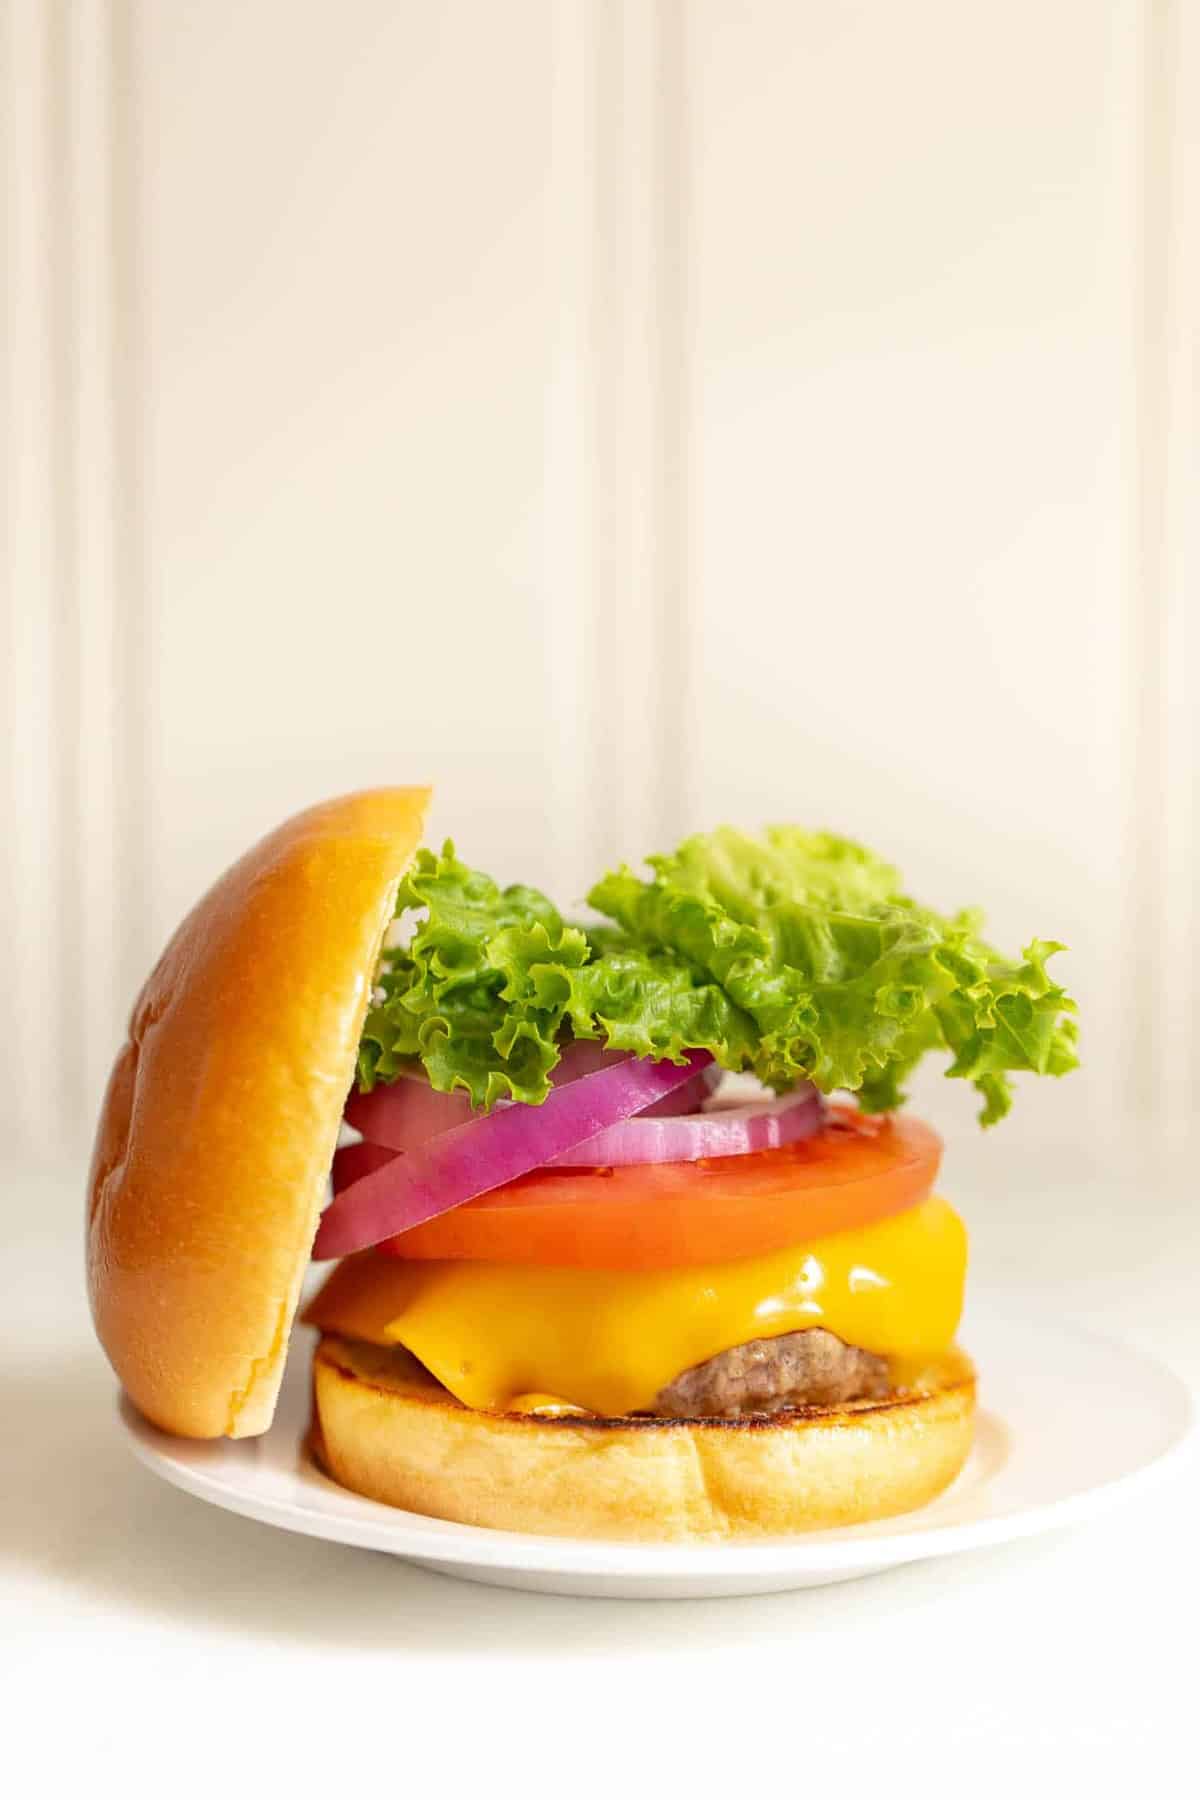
[667, 1215]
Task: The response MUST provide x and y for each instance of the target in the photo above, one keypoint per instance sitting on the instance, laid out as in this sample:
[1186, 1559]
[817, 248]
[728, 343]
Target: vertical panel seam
[608, 746]
[99, 892]
[675, 673]
[1179, 571]
[33, 876]
[1160, 961]
[568, 572]
[616, 636]
[71, 998]
[1143, 888]
[134, 799]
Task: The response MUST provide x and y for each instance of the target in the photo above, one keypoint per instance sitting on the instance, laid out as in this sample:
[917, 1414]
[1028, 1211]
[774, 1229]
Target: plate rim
[418, 1537]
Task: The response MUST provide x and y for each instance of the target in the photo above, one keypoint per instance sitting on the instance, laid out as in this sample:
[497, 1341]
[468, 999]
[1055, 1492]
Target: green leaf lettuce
[795, 955]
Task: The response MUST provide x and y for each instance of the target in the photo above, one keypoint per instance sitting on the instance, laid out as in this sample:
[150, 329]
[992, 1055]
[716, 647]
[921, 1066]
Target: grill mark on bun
[383, 1427]
[847, 1413]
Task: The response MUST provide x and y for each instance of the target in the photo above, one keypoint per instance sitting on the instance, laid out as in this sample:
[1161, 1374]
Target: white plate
[1069, 1423]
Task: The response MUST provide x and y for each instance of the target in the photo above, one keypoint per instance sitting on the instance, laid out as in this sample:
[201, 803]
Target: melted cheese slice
[515, 1337]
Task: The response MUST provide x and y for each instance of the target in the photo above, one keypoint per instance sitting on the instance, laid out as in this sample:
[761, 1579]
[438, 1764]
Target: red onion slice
[404, 1113]
[724, 1131]
[353, 1161]
[407, 1112]
[687, 1099]
[485, 1152]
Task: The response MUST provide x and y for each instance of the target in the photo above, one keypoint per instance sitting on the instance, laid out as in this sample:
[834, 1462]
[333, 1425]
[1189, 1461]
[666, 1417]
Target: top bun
[222, 1110]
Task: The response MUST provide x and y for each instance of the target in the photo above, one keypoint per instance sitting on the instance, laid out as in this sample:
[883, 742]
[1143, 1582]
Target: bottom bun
[384, 1427]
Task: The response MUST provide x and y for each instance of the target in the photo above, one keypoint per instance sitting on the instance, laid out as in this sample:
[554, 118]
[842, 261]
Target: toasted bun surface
[222, 1110]
[384, 1427]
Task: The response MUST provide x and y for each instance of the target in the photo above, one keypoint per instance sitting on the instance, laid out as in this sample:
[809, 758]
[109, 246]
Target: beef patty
[768, 1375]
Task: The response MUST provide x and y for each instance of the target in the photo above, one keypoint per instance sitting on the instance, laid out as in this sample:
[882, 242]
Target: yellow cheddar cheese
[499, 1336]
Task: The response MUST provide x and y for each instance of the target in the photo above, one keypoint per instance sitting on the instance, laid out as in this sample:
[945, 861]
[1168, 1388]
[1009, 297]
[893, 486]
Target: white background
[630, 416]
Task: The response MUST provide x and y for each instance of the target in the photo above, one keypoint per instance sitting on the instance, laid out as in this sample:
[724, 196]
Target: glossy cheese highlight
[609, 1341]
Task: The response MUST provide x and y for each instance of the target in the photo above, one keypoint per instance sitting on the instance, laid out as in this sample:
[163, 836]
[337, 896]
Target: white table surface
[150, 1644]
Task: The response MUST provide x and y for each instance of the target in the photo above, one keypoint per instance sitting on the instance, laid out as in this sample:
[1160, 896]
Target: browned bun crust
[384, 1427]
[222, 1110]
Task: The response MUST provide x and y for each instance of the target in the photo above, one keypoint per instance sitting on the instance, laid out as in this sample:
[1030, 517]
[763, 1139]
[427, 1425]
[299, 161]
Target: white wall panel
[911, 308]
[349, 303]
[628, 415]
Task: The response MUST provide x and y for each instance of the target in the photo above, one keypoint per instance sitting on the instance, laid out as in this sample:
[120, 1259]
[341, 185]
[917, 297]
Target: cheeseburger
[630, 1234]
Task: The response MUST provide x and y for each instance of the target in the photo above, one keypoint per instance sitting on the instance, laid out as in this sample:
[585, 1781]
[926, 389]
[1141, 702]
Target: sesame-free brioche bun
[221, 1114]
[383, 1426]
